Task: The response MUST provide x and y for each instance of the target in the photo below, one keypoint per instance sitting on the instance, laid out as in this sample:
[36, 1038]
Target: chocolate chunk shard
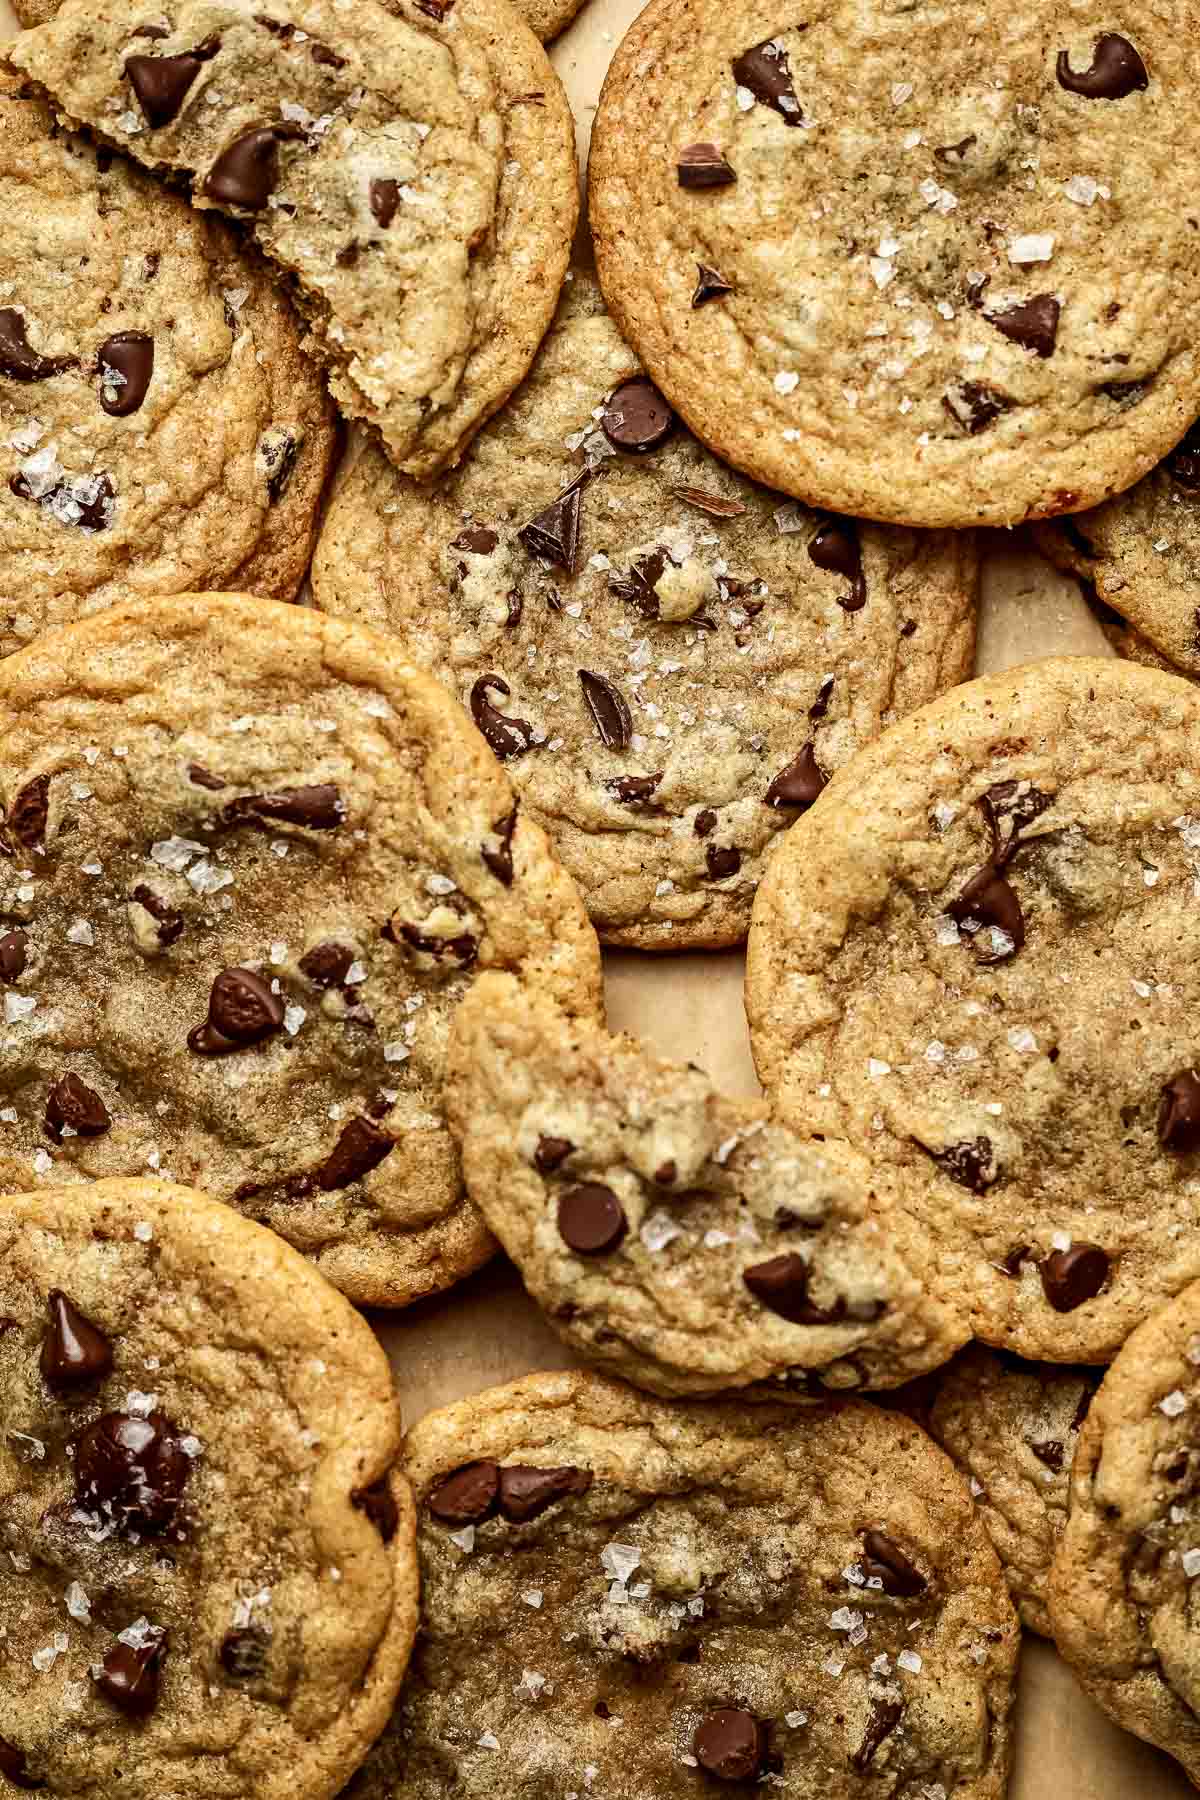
[1033, 324]
[836, 547]
[1050, 1451]
[241, 1010]
[318, 808]
[883, 1560]
[380, 1507]
[18, 359]
[972, 1163]
[883, 1719]
[634, 790]
[795, 788]
[75, 1353]
[820, 705]
[553, 536]
[327, 964]
[14, 953]
[1116, 70]
[709, 286]
[83, 502]
[975, 405]
[636, 418]
[764, 70]
[126, 368]
[723, 861]
[199, 776]
[990, 903]
[715, 505]
[28, 813]
[551, 1153]
[279, 450]
[385, 198]
[243, 1653]
[478, 540]
[703, 166]
[1012, 1262]
[507, 737]
[360, 1148]
[1071, 1277]
[129, 1673]
[169, 921]
[591, 1220]
[781, 1284]
[247, 171]
[161, 83]
[1179, 1113]
[526, 1493]
[500, 860]
[72, 1104]
[468, 1496]
[610, 714]
[133, 1472]
[731, 1744]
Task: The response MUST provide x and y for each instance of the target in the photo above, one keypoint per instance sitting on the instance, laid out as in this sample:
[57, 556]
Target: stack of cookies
[635, 607]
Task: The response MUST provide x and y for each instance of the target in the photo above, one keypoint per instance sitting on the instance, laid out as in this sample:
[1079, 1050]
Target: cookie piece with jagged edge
[685, 1241]
[250, 861]
[209, 1579]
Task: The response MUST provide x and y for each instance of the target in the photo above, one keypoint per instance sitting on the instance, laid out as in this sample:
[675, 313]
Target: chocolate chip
[526, 1493]
[328, 964]
[18, 359]
[975, 405]
[591, 1220]
[1033, 324]
[636, 418]
[246, 171]
[715, 505]
[1050, 1451]
[319, 808]
[666, 1174]
[610, 714]
[14, 953]
[836, 548]
[1116, 70]
[722, 861]
[129, 354]
[1179, 1113]
[884, 1717]
[507, 737]
[161, 83]
[781, 1284]
[462, 949]
[81, 501]
[972, 1163]
[553, 536]
[170, 922]
[72, 1103]
[1011, 1263]
[479, 540]
[551, 1153]
[28, 813]
[243, 1653]
[640, 581]
[1183, 464]
[378, 1504]
[710, 286]
[1069, 1277]
[468, 1496]
[199, 776]
[360, 1147]
[129, 1674]
[883, 1560]
[241, 1010]
[635, 790]
[14, 1767]
[704, 822]
[500, 860]
[990, 902]
[132, 1471]
[75, 1353]
[703, 166]
[731, 1744]
[764, 70]
[385, 198]
[820, 705]
[279, 450]
[795, 788]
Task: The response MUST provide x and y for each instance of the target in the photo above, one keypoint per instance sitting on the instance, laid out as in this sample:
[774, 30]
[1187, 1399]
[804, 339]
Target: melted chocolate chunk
[731, 1744]
[781, 1284]
[972, 1164]
[385, 198]
[884, 1717]
[507, 737]
[836, 548]
[129, 1674]
[241, 1010]
[28, 813]
[327, 965]
[75, 1353]
[1009, 807]
[479, 540]
[710, 286]
[133, 1472]
[1179, 1113]
[795, 788]
[703, 166]
[883, 1560]
[1033, 324]
[468, 1496]
[169, 922]
[1012, 1262]
[161, 83]
[975, 405]
[130, 356]
[820, 705]
[18, 359]
[360, 1147]
[610, 714]
[14, 1767]
[380, 1507]
[318, 808]
[72, 1104]
[551, 1153]
[243, 1653]
[704, 822]
[553, 536]
[1116, 70]
[591, 1220]
[526, 1493]
[1071, 1277]
[764, 70]
[636, 417]
[246, 172]
[81, 501]
[634, 790]
[500, 860]
[14, 953]
[989, 901]
[723, 861]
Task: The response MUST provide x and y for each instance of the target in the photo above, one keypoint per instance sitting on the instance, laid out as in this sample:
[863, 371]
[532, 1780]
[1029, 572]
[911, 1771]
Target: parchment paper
[486, 1331]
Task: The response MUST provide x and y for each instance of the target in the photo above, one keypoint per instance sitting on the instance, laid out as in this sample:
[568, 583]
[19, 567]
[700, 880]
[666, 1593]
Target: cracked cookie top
[949, 293]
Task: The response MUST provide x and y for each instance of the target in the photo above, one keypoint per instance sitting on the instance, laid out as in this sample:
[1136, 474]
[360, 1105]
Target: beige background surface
[487, 1331]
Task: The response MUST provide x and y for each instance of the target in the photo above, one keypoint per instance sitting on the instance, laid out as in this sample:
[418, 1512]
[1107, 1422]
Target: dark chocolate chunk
[884, 1717]
[551, 1153]
[319, 808]
[385, 198]
[72, 1103]
[1050, 1451]
[80, 501]
[610, 714]
[500, 860]
[636, 417]
[553, 536]
[703, 166]
[18, 359]
[360, 1147]
[241, 1010]
[990, 902]
[591, 1220]
[972, 1163]
[327, 964]
[1011, 1263]
[28, 813]
[1116, 70]
[975, 405]
[243, 1653]
[795, 788]
[279, 450]
[634, 790]
[715, 505]
[820, 705]
[199, 776]
[704, 822]
[75, 1353]
[1071, 1277]
[709, 286]
[1033, 324]
[14, 953]
[169, 922]
[479, 540]
[129, 1674]
[378, 1504]
[246, 172]
[161, 83]
[731, 1744]
[129, 355]
[468, 1496]
[507, 737]
[1179, 1113]
[723, 860]
[781, 1284]
[883, 1560]
[764, 70]
[836, 548]
[14, 1767]
[133, 1472]
[526, 1493]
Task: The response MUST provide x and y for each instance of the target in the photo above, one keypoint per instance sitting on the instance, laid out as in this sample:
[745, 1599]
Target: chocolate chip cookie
[662, 1600]
[546, 17]
[1012, 1428]
[161, 429]
[410, 167]
[946, 293]
[670, 1235]
[210, 1576]
[1121, 1590]
[1141, 554]
[250, 864]
[972, 960]
[669, 659]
